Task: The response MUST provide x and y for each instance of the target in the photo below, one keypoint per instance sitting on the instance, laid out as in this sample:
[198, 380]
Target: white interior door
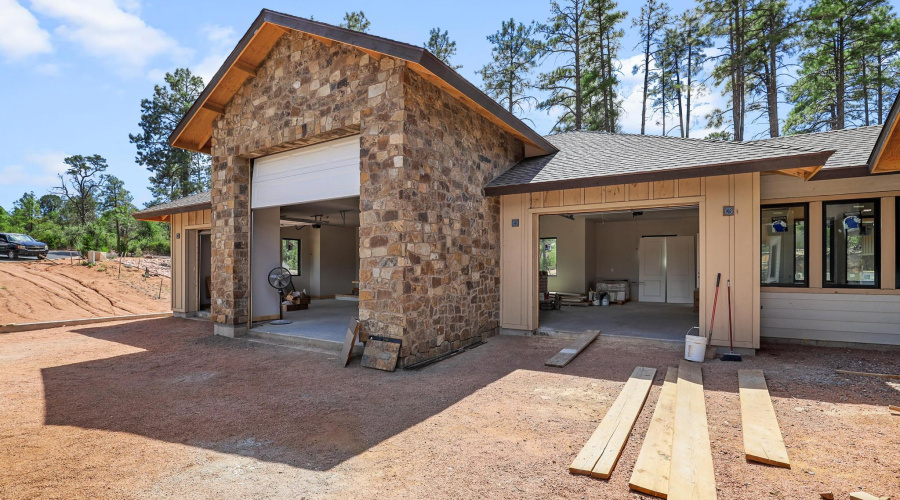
[680, 269]
[652, 270]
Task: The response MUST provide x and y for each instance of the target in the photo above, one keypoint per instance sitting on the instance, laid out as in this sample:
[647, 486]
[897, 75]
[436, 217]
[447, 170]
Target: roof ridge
[800, 149]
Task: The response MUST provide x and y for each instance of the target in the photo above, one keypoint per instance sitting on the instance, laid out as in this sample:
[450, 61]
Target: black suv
[12, 245]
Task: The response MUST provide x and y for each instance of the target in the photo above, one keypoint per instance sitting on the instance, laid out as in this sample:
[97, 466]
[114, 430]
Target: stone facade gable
[429, 238]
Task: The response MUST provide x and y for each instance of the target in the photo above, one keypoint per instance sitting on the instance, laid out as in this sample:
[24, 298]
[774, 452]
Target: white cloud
[20, 35]
[220, 42]
[110, 31]
[39, 170]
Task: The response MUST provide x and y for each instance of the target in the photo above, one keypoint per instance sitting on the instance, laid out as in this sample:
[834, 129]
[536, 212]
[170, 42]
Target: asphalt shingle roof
[853, 146]
[591, 155]
[188, 203]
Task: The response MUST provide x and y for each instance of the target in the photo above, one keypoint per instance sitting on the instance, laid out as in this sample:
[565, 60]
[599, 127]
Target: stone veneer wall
[452, 239]
[304, 93]
[429, 239]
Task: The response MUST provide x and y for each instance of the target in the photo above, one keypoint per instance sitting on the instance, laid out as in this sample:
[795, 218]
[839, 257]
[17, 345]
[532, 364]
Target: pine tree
[440, 44]
[602, 67]
[694, 43]
[26, 213]
[116, 205]
[875, 82]
[832, 41]
[566, 37]
[356, 21]
[773, 28]
[514, 53]
[651, 24]
[176, 172]
[727, 20]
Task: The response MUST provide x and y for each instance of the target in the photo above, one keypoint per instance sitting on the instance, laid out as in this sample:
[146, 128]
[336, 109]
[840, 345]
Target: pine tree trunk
[840, 88]
[678, 96]
[865, 89]
[646, 76]
[687, 110]
[772, 90]
[879, 89]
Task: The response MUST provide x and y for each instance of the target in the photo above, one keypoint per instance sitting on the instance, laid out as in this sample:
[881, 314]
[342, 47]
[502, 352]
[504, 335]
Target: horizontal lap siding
[867, 318]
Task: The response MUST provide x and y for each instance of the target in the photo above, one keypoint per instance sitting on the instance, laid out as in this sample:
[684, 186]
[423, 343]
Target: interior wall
[616, 250]
[265, 255]
[570, 251]
[329, 259]
[338, 261]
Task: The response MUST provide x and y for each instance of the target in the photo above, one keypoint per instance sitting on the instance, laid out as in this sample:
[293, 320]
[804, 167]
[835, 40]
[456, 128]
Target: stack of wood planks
[675, 460]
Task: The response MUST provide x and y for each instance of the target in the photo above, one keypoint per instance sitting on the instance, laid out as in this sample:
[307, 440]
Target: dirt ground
[162, 409]
[36, 291]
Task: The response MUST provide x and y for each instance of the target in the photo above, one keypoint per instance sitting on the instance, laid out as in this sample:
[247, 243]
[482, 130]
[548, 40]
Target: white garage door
[314, 173]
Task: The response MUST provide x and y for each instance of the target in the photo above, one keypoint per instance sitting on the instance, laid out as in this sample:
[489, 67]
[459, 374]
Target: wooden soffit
[194, 132]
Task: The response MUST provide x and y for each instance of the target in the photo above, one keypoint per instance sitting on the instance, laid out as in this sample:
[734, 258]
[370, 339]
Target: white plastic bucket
[694, 348]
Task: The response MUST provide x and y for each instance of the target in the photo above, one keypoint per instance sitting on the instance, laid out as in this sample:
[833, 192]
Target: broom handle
[715, 301]
[730, 334]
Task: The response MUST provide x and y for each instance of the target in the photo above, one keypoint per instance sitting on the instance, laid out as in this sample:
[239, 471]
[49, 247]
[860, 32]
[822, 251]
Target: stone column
[230, 244]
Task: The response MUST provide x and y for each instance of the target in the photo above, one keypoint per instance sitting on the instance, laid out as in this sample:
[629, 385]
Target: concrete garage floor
[323, 325]
[633, 319]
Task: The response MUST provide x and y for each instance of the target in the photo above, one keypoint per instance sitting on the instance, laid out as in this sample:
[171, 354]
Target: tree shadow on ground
[303, 409]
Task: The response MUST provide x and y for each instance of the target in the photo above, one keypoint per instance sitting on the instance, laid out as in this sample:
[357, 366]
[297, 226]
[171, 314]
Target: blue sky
[73, 72]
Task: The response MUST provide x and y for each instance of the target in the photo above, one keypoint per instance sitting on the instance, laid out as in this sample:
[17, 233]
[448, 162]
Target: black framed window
[290, 255]
[852, 243]
[547, 255]
[784, 245]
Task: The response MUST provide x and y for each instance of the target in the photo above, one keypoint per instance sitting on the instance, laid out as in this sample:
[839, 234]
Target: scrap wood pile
[675, 460]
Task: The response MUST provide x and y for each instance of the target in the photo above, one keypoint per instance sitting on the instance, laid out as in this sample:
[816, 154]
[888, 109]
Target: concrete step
[311, 344]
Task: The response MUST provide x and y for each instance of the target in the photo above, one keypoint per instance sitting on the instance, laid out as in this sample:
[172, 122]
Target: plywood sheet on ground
[691, 476]
[651, 471]
[563, 357]
[349, 341]
[762, 436]
[600, 454]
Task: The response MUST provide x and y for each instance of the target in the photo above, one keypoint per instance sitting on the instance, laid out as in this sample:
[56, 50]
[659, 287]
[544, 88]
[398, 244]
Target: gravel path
[162, 409]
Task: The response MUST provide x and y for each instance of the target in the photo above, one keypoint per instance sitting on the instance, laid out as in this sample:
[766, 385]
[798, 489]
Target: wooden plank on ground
[349, 341]
[651, 471]
[862, 495]
[691, 476]
[563, 357]
[762, 436]
[600, 453]
[867, 374]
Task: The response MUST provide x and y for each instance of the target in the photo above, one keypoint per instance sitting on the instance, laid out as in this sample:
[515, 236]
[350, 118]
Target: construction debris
[827, 496]
[862, 495]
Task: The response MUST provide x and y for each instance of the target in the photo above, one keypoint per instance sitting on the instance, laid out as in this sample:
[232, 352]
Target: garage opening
[631, 273]
[305, 224]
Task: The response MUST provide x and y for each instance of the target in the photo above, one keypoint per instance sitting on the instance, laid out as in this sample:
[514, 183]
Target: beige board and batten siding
[728, 244]
[818, 313]
[184, 228]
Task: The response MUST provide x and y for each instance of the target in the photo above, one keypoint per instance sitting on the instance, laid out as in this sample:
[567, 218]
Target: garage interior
[645, 261]
[305, 218]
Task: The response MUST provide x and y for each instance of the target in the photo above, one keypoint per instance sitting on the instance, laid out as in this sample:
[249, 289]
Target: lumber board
[600, 453]
[349, 341]
[894, 408]
[762, 436]
[862, 495]
[563, 357]
[651, 471]
[867, 374]
[691, 475]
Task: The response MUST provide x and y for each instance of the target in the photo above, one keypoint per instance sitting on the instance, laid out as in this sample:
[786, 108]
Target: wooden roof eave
[885, 157]
[194, 132]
